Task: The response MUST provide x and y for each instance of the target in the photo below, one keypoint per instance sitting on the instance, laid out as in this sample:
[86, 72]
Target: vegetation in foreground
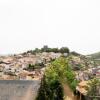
[93, 89]
[57, 73]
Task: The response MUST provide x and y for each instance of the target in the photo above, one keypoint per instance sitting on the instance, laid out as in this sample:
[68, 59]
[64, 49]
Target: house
[81, 90]
[96, 72]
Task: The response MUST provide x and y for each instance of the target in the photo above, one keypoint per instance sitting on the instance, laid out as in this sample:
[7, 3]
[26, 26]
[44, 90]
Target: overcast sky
[26, 24]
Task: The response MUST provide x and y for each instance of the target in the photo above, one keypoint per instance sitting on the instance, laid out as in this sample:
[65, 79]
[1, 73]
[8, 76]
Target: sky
[27, 24]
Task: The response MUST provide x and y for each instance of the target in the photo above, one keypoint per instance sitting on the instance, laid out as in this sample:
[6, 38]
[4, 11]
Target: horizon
[30, 24]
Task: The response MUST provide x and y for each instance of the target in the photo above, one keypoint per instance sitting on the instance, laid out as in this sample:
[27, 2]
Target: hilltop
[66, 75]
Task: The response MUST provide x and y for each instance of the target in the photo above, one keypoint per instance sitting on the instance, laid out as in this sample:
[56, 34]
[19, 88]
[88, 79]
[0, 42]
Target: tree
[45, 48]
[51, 88]
[70, 78]
[57, 72]
[64, 50]
[94, 88]
[36, 50]
[31, 67]
[56, 50]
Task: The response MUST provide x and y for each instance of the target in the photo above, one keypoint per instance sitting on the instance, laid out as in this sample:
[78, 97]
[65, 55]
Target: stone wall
[18, 89]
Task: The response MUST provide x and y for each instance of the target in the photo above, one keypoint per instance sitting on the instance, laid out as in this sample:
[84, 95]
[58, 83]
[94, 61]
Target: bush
[50, 91]
[47, 49]
[64, 50]
[94, 87]
[51, 87]
[70, 77]
[31, 67]
[56, 73]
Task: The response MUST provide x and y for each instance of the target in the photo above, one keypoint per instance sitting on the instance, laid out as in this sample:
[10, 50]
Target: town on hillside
[25, 66]
[31, 65]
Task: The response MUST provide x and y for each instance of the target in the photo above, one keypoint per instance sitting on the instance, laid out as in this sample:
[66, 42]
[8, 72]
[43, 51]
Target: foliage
[94, 87]
[70, 77]
[64, 50]
[51, 86]
[31, 67]
[50, 90]
[40, 64]
[47, 49]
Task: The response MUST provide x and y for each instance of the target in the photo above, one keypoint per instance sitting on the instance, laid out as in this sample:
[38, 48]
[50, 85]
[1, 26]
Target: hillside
[95, 57]
[63, 77]
[58, 70]
[80, 62]
[29, 65]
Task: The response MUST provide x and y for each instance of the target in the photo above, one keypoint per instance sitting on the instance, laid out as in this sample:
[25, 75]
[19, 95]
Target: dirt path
[68, 93]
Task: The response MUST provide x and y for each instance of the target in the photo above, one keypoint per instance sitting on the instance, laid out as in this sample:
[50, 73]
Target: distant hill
[95, 55]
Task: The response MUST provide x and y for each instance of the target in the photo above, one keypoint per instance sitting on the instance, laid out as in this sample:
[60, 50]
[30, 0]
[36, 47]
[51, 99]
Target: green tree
[56, 73]
[64, 50]
[51, 88]
[94, 87]
[36, 50]
[56, 50]
[45, 48]
[31, 67]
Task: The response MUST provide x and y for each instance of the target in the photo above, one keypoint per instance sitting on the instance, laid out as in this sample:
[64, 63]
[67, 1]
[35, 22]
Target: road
[68, 93]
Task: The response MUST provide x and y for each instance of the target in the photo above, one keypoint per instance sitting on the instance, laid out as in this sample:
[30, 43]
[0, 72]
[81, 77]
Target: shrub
[31, 67]
[56, 73]
[64, 50]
